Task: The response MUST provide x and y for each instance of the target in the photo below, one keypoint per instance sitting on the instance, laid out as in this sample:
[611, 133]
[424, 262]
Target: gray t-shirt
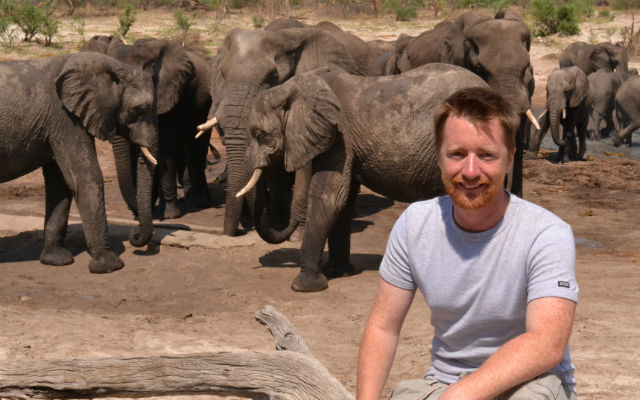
[477, 285]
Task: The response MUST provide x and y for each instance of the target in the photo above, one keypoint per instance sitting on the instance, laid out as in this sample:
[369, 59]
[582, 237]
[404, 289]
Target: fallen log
[288, 374]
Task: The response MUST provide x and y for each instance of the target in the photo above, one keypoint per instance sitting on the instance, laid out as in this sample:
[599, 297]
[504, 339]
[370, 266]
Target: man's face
[473, 161]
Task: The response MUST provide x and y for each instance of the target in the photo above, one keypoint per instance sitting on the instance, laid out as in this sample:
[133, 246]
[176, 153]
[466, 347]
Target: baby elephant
[50, 112]
[338, 131]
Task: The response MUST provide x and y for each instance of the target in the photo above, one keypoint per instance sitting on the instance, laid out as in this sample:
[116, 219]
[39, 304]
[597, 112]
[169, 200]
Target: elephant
[183, 103]
[569, 101]
[332, 128]
[51, 110]
[627, 110]
[603, 86]
[497, 49]
[251, 61]
[592, 57]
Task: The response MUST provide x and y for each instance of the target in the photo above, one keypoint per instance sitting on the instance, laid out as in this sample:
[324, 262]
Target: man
[497, 272]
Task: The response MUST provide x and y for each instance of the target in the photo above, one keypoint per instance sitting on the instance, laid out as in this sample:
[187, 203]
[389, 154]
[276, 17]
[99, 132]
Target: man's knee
[428, 388]
[545, 387]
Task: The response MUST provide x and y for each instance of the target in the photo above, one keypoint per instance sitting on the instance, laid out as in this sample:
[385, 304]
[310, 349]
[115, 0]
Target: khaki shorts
[545, 387]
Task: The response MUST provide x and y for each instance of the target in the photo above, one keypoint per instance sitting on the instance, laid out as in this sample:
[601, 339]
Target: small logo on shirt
[563, 284]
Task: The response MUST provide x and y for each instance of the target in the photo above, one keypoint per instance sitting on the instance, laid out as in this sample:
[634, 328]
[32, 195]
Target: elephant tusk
[252, 182]
[543, 113]
[564, 113]
[533, 119]
[207, 125]
[148, 155]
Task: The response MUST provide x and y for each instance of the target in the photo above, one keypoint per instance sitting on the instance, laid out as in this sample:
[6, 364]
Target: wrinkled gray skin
[603, 86]
[627, 110]
[497, 49]
[50, 112]
[183, 102]
[593, 57]
[332, 128]
[567, 88]
[249, 62]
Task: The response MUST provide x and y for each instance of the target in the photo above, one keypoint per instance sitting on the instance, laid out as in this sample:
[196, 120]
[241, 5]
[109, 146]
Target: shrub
[48, 28]
[625, 4]
[25, 15]
[258, 21]
[183, 23]
[551, 18]
[8, 32]
[78, 23]
[404, 10]
[126, 19]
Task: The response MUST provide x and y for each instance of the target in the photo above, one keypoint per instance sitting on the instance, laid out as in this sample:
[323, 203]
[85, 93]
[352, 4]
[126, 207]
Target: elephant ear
[310, 121]
[581, 88]
[88, 87]
[176, 72]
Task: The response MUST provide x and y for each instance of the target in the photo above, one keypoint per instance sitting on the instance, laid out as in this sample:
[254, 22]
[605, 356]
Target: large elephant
[627, 110]
[249, 62]
[497, 49]
[332, 128]
[183, 102]
[51, 110]
[569, 101]
[592, 57]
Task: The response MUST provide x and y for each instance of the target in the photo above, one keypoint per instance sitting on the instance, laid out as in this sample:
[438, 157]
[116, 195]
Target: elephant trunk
[125, 166]
[554, 121]
[297, 213]
[232, 118]
[141, 235]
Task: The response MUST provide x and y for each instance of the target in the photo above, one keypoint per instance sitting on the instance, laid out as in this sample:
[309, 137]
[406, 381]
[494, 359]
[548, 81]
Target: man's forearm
[377, 351]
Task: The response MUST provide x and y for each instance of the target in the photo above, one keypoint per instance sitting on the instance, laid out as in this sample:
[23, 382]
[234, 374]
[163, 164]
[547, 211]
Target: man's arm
[540, 348]
[378, 346]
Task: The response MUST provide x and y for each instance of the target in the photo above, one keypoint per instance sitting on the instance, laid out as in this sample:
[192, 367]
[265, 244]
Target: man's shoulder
[538, 215]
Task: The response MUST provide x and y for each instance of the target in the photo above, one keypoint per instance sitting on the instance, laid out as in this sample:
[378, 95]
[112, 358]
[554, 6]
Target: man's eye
[488, 156]
[456, 155]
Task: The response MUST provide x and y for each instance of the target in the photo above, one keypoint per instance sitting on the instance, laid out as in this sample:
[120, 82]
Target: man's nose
[470, 169]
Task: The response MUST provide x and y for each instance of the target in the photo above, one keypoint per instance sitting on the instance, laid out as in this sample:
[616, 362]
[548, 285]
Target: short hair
[479, 105]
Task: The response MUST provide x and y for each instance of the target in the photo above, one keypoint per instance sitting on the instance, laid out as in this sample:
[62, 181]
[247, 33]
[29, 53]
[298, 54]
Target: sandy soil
[195, 291]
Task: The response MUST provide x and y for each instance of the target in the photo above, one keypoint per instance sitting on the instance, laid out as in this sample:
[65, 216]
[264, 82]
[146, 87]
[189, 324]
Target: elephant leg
[582, 140]
[170, 188]
[621, 137]
[328, 196]
[340, 240]
[87, 184]
[196, 155]
[58, 200]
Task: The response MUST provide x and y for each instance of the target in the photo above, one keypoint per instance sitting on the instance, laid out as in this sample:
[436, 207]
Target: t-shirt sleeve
[395, 268]
[551, 266]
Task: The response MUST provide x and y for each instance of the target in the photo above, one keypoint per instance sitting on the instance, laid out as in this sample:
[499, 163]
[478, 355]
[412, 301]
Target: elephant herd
[307, 114]
[592, 84]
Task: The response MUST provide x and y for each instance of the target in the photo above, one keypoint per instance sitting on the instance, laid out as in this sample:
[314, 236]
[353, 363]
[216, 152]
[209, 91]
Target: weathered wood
[281, 375]
[284, 333]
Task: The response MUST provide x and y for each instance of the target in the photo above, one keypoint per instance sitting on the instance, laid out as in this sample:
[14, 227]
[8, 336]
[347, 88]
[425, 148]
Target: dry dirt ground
[196, 291]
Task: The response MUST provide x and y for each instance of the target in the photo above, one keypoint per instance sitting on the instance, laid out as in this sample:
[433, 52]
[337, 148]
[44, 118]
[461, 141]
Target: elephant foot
[337, 270]
[617, 141]
[56, 256]
[106, 262]
[309, 282]
[531, 155]
[171, 210]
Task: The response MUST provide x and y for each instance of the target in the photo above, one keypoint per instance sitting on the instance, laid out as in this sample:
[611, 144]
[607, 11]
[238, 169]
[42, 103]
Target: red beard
[472, 200]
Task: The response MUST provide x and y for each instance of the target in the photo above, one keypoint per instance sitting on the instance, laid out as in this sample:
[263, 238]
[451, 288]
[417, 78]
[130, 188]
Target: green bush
[183, 23]
[551, 18]
[258, 21]
[625, 4]
[25, 15]
[78, 23]
[48, 28]
[8, 32]
[126, 19]
[404, 10]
